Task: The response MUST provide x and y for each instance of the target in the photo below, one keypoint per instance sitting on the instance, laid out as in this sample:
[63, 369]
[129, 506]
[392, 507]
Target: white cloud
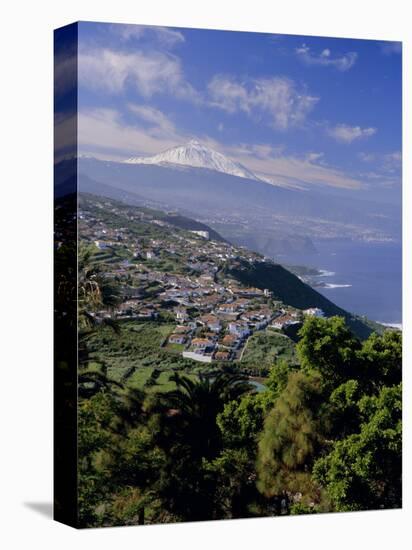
[148, 72]
[163, 35]
[291, 171]
[103, 132]
[274, 99]
[347, 134]
[106, 134]
[313, 157]
[156, 119]
[325, 59]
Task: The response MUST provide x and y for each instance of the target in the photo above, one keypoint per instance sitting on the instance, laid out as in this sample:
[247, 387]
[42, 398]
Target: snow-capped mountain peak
[197, 155]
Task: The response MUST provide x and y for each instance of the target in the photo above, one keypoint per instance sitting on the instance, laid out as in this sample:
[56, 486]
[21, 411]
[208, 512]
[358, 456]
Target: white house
[285, 320]
[177, 339]
[227, 308]
[203, 344]
[197, 356]
[212, 322]
[204, 234]
[314, 312]
[181, 315]
[239, 329]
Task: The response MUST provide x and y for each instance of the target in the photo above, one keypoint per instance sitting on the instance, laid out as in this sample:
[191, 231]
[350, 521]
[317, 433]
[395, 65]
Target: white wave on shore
[393, 325]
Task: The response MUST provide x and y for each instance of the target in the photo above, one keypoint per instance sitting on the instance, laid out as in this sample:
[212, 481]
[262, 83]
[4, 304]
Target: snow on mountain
[197, 155]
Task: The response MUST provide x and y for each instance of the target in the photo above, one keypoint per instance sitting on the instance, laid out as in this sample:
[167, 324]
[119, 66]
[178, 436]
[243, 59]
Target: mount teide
[196, 155]
[206, 185]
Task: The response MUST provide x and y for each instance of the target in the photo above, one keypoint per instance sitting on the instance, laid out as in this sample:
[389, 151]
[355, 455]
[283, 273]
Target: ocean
[363, 278]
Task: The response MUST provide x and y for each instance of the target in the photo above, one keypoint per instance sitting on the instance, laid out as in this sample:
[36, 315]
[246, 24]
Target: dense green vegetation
[134, 352]
[192, 225]
[324, 436]
[162, 439]
[334, 434]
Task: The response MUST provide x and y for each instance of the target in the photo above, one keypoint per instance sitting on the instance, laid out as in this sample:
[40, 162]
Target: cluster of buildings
[180, 276]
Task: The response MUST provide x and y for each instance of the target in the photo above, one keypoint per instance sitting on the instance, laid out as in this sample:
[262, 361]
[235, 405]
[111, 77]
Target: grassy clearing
[140, 378]
[266, 348]
[137, 344]
[132, 355]
[176, 348]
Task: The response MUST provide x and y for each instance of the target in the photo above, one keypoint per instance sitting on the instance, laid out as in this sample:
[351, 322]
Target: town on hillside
[163, 270]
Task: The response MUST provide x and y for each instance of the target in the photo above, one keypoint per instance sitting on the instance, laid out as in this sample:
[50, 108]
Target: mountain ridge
[196, 155]
[211, 193]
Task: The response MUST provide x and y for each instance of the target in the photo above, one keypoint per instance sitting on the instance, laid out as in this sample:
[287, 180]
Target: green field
[140, 379]
[131, 356]
[265, 348]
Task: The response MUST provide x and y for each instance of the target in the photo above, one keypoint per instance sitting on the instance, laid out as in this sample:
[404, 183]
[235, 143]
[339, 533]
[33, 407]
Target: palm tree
[190, 438]
[196, 403]
[94, 292]
[91, 381]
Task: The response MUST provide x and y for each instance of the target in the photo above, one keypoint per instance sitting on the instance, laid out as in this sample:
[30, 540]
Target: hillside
[183, 222]
[288, 288]
[177, 220]
[179, 251]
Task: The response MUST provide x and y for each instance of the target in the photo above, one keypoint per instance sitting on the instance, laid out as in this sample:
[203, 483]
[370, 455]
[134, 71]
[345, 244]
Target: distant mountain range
[199, 182]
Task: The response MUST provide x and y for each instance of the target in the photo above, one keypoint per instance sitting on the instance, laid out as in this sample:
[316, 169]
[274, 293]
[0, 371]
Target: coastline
[398, 326]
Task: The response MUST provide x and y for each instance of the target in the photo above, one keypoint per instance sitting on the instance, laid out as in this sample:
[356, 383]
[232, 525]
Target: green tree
[328, 346]
[240, 423]
[364, 470]
[95, 291]
[278, 377]
[381, 357]
[291, 437]
[191, 439]
[96, 419]
[197, 404]
[343, 410]
[92, 380]
[118, 459]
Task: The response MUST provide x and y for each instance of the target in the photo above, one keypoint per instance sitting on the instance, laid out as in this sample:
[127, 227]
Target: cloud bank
[276, 99]
[149, 73]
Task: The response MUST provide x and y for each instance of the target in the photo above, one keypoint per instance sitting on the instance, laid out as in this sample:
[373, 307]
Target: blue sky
[301, 110]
